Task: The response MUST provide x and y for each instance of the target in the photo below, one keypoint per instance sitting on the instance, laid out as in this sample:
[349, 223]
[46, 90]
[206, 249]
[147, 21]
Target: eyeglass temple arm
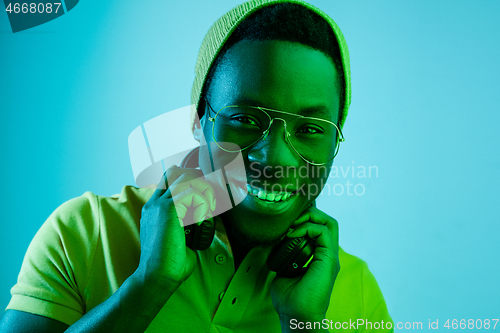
[212, 119]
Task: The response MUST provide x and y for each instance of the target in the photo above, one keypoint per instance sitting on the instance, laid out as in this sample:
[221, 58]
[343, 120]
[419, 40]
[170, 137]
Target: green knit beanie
[220, 31]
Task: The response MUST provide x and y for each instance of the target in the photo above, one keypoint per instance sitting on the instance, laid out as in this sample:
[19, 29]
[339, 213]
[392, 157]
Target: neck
[239, 247]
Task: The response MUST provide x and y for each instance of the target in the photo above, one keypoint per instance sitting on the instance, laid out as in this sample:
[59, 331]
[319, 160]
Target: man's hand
[165, 258]
[306, 298]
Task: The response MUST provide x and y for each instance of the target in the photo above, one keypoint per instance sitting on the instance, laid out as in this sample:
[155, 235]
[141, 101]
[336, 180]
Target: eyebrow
[318, 111]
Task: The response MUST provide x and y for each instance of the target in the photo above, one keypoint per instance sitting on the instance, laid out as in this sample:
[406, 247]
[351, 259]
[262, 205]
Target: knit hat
[221, 30]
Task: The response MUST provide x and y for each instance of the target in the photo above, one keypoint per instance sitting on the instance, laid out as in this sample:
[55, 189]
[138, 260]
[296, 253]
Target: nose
[273, 150]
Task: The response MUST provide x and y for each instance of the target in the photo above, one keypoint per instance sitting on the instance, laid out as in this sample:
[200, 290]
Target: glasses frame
[340, 137]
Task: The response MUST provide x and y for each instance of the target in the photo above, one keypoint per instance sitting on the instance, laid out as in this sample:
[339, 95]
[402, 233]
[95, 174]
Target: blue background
[425, 112]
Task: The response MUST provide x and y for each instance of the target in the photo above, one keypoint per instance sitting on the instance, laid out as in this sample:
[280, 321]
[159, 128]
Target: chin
[253, 231]
[255, 223]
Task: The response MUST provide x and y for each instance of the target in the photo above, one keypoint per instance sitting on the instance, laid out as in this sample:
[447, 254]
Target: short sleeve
[357, 304]
[56, 266]
[374, 306]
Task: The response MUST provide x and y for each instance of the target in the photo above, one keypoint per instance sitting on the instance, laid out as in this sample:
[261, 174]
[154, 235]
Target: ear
[198, 130]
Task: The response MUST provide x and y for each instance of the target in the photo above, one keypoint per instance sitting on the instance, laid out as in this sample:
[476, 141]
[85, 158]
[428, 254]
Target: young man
[273, 81]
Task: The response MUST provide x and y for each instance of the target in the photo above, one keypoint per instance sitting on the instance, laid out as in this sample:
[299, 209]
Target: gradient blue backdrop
[425, 112]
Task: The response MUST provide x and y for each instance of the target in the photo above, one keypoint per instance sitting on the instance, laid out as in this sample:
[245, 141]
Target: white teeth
[273, 197]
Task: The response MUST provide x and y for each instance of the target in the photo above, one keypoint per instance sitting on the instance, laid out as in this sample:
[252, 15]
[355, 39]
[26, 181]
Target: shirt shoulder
[71, 247]
[356, 294]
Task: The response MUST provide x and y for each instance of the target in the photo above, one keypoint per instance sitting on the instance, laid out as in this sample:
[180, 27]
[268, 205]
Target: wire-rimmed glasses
[315, 140]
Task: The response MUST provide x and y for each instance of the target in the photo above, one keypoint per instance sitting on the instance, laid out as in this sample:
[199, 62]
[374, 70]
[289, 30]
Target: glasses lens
[314, 139]
[238, 125]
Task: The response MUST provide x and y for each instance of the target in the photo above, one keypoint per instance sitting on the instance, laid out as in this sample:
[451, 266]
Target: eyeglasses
[315, 140]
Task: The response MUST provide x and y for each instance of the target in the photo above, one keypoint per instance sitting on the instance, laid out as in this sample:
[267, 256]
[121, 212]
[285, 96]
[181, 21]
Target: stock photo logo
[150, 158]
[28, 14]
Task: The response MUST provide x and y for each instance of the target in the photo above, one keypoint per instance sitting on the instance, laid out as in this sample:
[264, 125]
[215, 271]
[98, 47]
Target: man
[273, 85]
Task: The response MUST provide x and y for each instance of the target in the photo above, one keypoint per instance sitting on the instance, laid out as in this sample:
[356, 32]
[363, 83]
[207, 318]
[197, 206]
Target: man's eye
[245, 119]
[310, 130]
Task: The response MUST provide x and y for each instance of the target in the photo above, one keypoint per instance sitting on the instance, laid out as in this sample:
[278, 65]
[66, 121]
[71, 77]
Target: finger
[191, 200]
[163, 183]
[182, 183]
[161, 188]
[315, 215]
[326, 248]
[320, 233]
[312, 214]
[174, 172]
[206, 189]
[318, 217]
[303, 217]
[189, 180]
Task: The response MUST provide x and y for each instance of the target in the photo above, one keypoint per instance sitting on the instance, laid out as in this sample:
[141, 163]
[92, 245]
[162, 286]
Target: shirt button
[221, 295]
[220, 258]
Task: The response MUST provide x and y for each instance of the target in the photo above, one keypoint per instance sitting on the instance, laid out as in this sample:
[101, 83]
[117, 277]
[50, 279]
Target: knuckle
[175, 190]
[170, 171]
[185, 178]
[209, 188]
[173, 167]
[198, 181]
[196, 172]
[182, 178]
[145, 207]
[332, 224]
[172, 174]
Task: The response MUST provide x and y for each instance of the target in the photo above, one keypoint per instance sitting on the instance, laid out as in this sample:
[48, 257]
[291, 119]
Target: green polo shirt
[90, 245]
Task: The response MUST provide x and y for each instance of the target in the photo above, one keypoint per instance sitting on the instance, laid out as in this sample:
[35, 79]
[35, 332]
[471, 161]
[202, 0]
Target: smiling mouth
[270, 196]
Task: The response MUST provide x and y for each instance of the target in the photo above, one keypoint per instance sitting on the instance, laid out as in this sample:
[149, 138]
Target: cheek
[318, 173]
[212, 158]
[317, 178]
[204, 155]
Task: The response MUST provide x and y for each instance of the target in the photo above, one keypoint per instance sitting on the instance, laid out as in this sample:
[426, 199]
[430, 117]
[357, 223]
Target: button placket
[220, 258]
[238, 294]
[222, 270]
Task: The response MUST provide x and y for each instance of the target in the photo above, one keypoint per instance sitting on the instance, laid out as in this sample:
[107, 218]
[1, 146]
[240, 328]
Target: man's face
[283, 76]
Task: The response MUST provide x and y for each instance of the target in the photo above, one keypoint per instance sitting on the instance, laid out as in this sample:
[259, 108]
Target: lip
[282, 188]
[267, 207]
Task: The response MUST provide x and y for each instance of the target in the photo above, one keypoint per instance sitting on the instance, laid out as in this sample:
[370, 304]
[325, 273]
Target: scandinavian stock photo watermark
[341, 180]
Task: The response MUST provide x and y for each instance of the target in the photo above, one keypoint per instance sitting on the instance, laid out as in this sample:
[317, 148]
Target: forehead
[279, 75]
